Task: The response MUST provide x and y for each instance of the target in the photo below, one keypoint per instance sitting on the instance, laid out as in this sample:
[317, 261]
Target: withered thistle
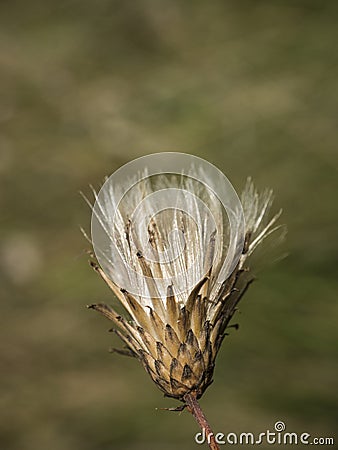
[176, 258]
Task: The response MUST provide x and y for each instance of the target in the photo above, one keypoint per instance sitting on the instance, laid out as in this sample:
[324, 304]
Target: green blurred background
[87, 86]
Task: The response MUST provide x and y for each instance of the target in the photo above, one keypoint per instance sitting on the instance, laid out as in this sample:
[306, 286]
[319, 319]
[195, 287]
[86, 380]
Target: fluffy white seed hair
[172, 233]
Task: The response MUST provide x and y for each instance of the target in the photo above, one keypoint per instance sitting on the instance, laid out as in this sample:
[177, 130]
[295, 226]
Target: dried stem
[195, 409]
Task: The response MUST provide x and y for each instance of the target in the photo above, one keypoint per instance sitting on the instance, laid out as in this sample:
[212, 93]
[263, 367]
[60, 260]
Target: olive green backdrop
[87, 86]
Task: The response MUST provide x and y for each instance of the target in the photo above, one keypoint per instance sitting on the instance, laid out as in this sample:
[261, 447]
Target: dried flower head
[176, 259]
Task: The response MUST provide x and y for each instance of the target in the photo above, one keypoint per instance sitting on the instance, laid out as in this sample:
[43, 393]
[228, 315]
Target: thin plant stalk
[194, 407]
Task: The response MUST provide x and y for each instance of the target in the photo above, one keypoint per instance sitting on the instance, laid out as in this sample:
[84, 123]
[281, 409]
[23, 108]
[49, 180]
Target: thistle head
[172, 239]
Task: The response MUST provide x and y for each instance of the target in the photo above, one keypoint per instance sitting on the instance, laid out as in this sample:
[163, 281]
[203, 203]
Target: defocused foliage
[85, 87]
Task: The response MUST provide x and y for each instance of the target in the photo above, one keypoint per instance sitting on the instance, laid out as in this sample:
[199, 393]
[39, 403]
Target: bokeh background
[252, 86]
